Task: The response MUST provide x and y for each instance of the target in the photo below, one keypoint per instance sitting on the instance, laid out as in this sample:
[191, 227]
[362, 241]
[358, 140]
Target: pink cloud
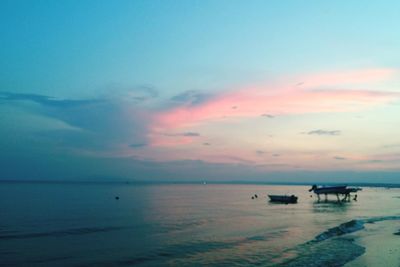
[278, 100]
[347, 77]
[253, 103]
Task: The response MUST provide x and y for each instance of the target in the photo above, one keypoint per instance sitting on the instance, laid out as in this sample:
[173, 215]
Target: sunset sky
[200, 90]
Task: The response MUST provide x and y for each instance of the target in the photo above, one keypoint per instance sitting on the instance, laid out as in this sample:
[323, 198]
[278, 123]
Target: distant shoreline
[140, 182]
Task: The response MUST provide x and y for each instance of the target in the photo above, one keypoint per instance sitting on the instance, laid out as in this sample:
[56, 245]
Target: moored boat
[328, 189]
[335, 190]
[283, 198]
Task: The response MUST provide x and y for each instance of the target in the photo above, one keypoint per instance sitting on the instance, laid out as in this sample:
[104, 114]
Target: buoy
[116, 198]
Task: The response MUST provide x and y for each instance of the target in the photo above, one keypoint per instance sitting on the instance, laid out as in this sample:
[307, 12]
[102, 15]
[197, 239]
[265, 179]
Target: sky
[282, 91]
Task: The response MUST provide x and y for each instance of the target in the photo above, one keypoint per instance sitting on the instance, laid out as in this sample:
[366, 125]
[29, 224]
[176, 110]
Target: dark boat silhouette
[328, 189]
[283, 198]
[334, 190]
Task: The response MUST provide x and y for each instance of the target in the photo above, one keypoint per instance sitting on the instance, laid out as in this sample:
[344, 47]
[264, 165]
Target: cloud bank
[141, 126]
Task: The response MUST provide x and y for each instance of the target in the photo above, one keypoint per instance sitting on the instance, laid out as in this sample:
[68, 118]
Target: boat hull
[283, 199]
[331, 190]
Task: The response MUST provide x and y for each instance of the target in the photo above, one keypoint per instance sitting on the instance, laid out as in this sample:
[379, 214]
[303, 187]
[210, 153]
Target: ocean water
[71, 224]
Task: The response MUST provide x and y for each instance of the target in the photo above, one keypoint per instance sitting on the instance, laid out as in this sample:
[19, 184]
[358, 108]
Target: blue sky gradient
[259, 90]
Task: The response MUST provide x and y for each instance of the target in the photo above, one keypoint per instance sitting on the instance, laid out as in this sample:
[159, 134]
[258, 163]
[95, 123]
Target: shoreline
[356, 243]
[382, 245]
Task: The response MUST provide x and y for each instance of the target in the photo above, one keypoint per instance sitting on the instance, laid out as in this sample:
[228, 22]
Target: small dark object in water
[116, 198]
[283, 198]
[398, 233]
[255, 196]
[252, 197]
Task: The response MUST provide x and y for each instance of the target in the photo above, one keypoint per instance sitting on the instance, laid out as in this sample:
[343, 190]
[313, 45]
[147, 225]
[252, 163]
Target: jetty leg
[338, 199]
[318, 197]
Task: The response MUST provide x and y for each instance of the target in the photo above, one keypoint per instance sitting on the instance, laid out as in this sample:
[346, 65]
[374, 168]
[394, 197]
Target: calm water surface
[167, 225]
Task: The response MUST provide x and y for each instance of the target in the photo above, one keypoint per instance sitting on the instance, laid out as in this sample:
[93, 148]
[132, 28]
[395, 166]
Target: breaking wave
[332, 248]
[351, 226]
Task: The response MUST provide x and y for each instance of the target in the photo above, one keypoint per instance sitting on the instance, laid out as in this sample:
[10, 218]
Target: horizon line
[199, 182]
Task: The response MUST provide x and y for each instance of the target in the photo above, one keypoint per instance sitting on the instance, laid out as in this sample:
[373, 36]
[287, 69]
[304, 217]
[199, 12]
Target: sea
[134, 224]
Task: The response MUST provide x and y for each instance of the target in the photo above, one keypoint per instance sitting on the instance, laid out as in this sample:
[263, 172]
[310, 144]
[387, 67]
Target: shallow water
[172, 224]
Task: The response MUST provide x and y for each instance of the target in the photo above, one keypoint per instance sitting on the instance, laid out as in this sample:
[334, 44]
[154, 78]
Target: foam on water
[323, 250]
[330, 248]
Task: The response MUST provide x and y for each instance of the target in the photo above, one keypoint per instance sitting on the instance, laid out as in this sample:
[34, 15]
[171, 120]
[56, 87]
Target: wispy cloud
[104, 123]
[392, 146]
[187, 134]
[47, 100]
[323, 132]
[171, 139]
[137, 145]
[348, 77]
[136, 94]
[267, 115]
[191, 98]
[232, 159]
[282, 99]
[260, 152]
[124, 122]
[142, 93]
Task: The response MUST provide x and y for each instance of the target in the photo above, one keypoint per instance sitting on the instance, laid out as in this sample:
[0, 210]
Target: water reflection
[162, 225]
[331, 206]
